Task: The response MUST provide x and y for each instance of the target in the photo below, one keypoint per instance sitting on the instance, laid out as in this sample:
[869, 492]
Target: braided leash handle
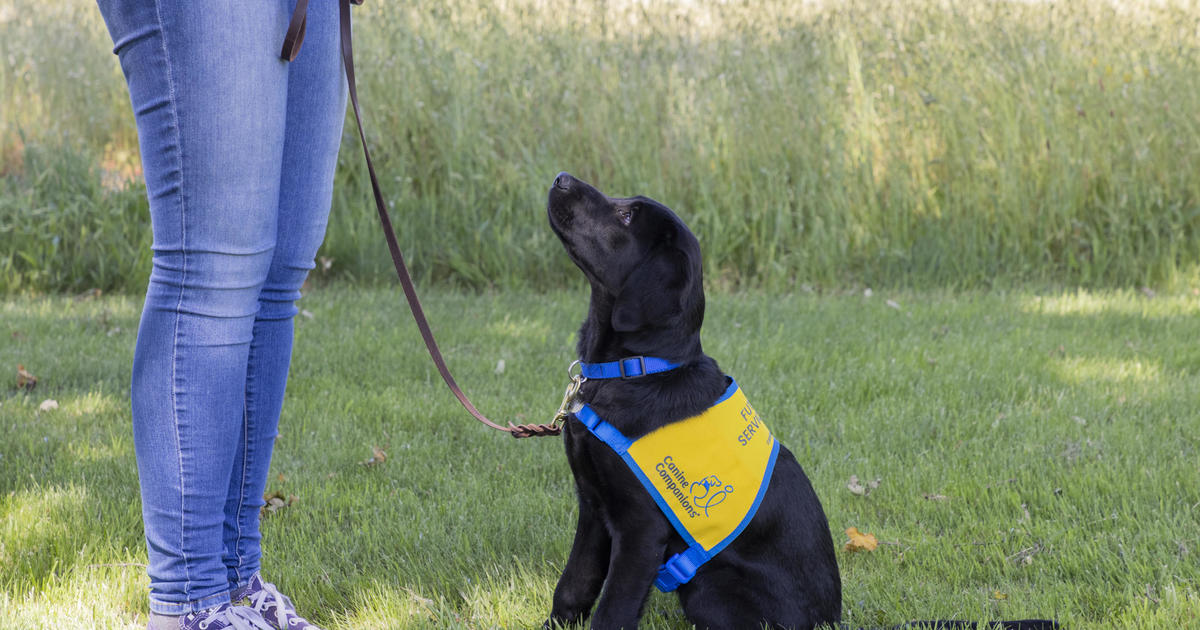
[533, 430]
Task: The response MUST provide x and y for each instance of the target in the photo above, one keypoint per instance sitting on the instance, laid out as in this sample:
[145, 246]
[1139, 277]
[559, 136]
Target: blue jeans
[238, 149]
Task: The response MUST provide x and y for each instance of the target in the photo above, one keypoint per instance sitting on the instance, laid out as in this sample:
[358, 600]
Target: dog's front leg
[637, 552]
[586, 568]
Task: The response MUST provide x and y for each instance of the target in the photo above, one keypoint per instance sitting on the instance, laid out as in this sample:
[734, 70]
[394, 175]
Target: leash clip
[568, 406]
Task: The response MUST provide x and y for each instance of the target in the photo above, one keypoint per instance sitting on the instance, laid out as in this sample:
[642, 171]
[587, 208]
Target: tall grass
[822, 143]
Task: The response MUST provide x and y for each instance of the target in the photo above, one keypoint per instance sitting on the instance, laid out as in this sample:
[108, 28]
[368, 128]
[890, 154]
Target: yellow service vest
[707, 474]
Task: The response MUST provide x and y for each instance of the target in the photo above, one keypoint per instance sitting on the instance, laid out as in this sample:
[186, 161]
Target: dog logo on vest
[708, 492]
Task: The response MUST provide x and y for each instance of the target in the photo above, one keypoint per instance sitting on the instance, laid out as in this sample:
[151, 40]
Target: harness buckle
[621, 367]
[680, 569]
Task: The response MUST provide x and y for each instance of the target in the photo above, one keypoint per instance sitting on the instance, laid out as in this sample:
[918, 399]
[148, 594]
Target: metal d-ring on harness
[291, 48]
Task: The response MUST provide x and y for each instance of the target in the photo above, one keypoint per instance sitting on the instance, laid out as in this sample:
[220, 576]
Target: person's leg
[209, 94]
[316, 108]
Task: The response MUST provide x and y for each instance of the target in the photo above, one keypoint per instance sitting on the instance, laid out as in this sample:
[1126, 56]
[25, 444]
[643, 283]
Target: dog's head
[642, 261]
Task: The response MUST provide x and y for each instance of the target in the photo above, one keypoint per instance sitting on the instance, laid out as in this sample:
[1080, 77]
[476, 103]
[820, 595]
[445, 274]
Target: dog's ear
[654, 292]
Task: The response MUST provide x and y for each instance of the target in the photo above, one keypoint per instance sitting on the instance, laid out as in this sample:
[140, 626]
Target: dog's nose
[563, 181]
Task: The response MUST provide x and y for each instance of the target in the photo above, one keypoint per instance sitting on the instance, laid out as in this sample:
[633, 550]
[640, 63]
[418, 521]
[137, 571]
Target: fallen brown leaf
[860, 541]
[277, 501]
[378, 456]
[25, 380]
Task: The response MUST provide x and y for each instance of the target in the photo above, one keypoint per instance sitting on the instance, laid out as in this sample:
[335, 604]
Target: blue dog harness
[707, 473]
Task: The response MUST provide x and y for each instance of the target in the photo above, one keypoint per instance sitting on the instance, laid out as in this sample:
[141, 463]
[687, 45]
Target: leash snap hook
[568, 405]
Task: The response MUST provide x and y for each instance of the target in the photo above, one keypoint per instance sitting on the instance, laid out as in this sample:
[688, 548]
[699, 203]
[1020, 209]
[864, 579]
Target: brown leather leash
[291, 48]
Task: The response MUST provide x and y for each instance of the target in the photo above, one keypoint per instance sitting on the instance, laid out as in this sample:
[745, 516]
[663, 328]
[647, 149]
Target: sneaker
[275, 607]
[220, 618]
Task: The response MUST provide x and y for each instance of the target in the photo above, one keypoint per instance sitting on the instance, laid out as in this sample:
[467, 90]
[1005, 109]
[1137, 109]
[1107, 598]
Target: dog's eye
[625, 214]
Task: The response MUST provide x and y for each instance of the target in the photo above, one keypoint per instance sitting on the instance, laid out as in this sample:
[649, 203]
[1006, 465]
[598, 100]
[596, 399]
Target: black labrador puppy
[647, 300]
[644, 267]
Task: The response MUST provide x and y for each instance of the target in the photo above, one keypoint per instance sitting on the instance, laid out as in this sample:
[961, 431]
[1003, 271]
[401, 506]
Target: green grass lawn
[1037, 455]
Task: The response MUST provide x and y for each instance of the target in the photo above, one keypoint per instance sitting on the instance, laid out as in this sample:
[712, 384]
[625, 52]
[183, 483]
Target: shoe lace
[236, 617]
[267, 596]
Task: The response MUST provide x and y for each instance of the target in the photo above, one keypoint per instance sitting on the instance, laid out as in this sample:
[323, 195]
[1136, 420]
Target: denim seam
[237, 545]
[187, 587]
